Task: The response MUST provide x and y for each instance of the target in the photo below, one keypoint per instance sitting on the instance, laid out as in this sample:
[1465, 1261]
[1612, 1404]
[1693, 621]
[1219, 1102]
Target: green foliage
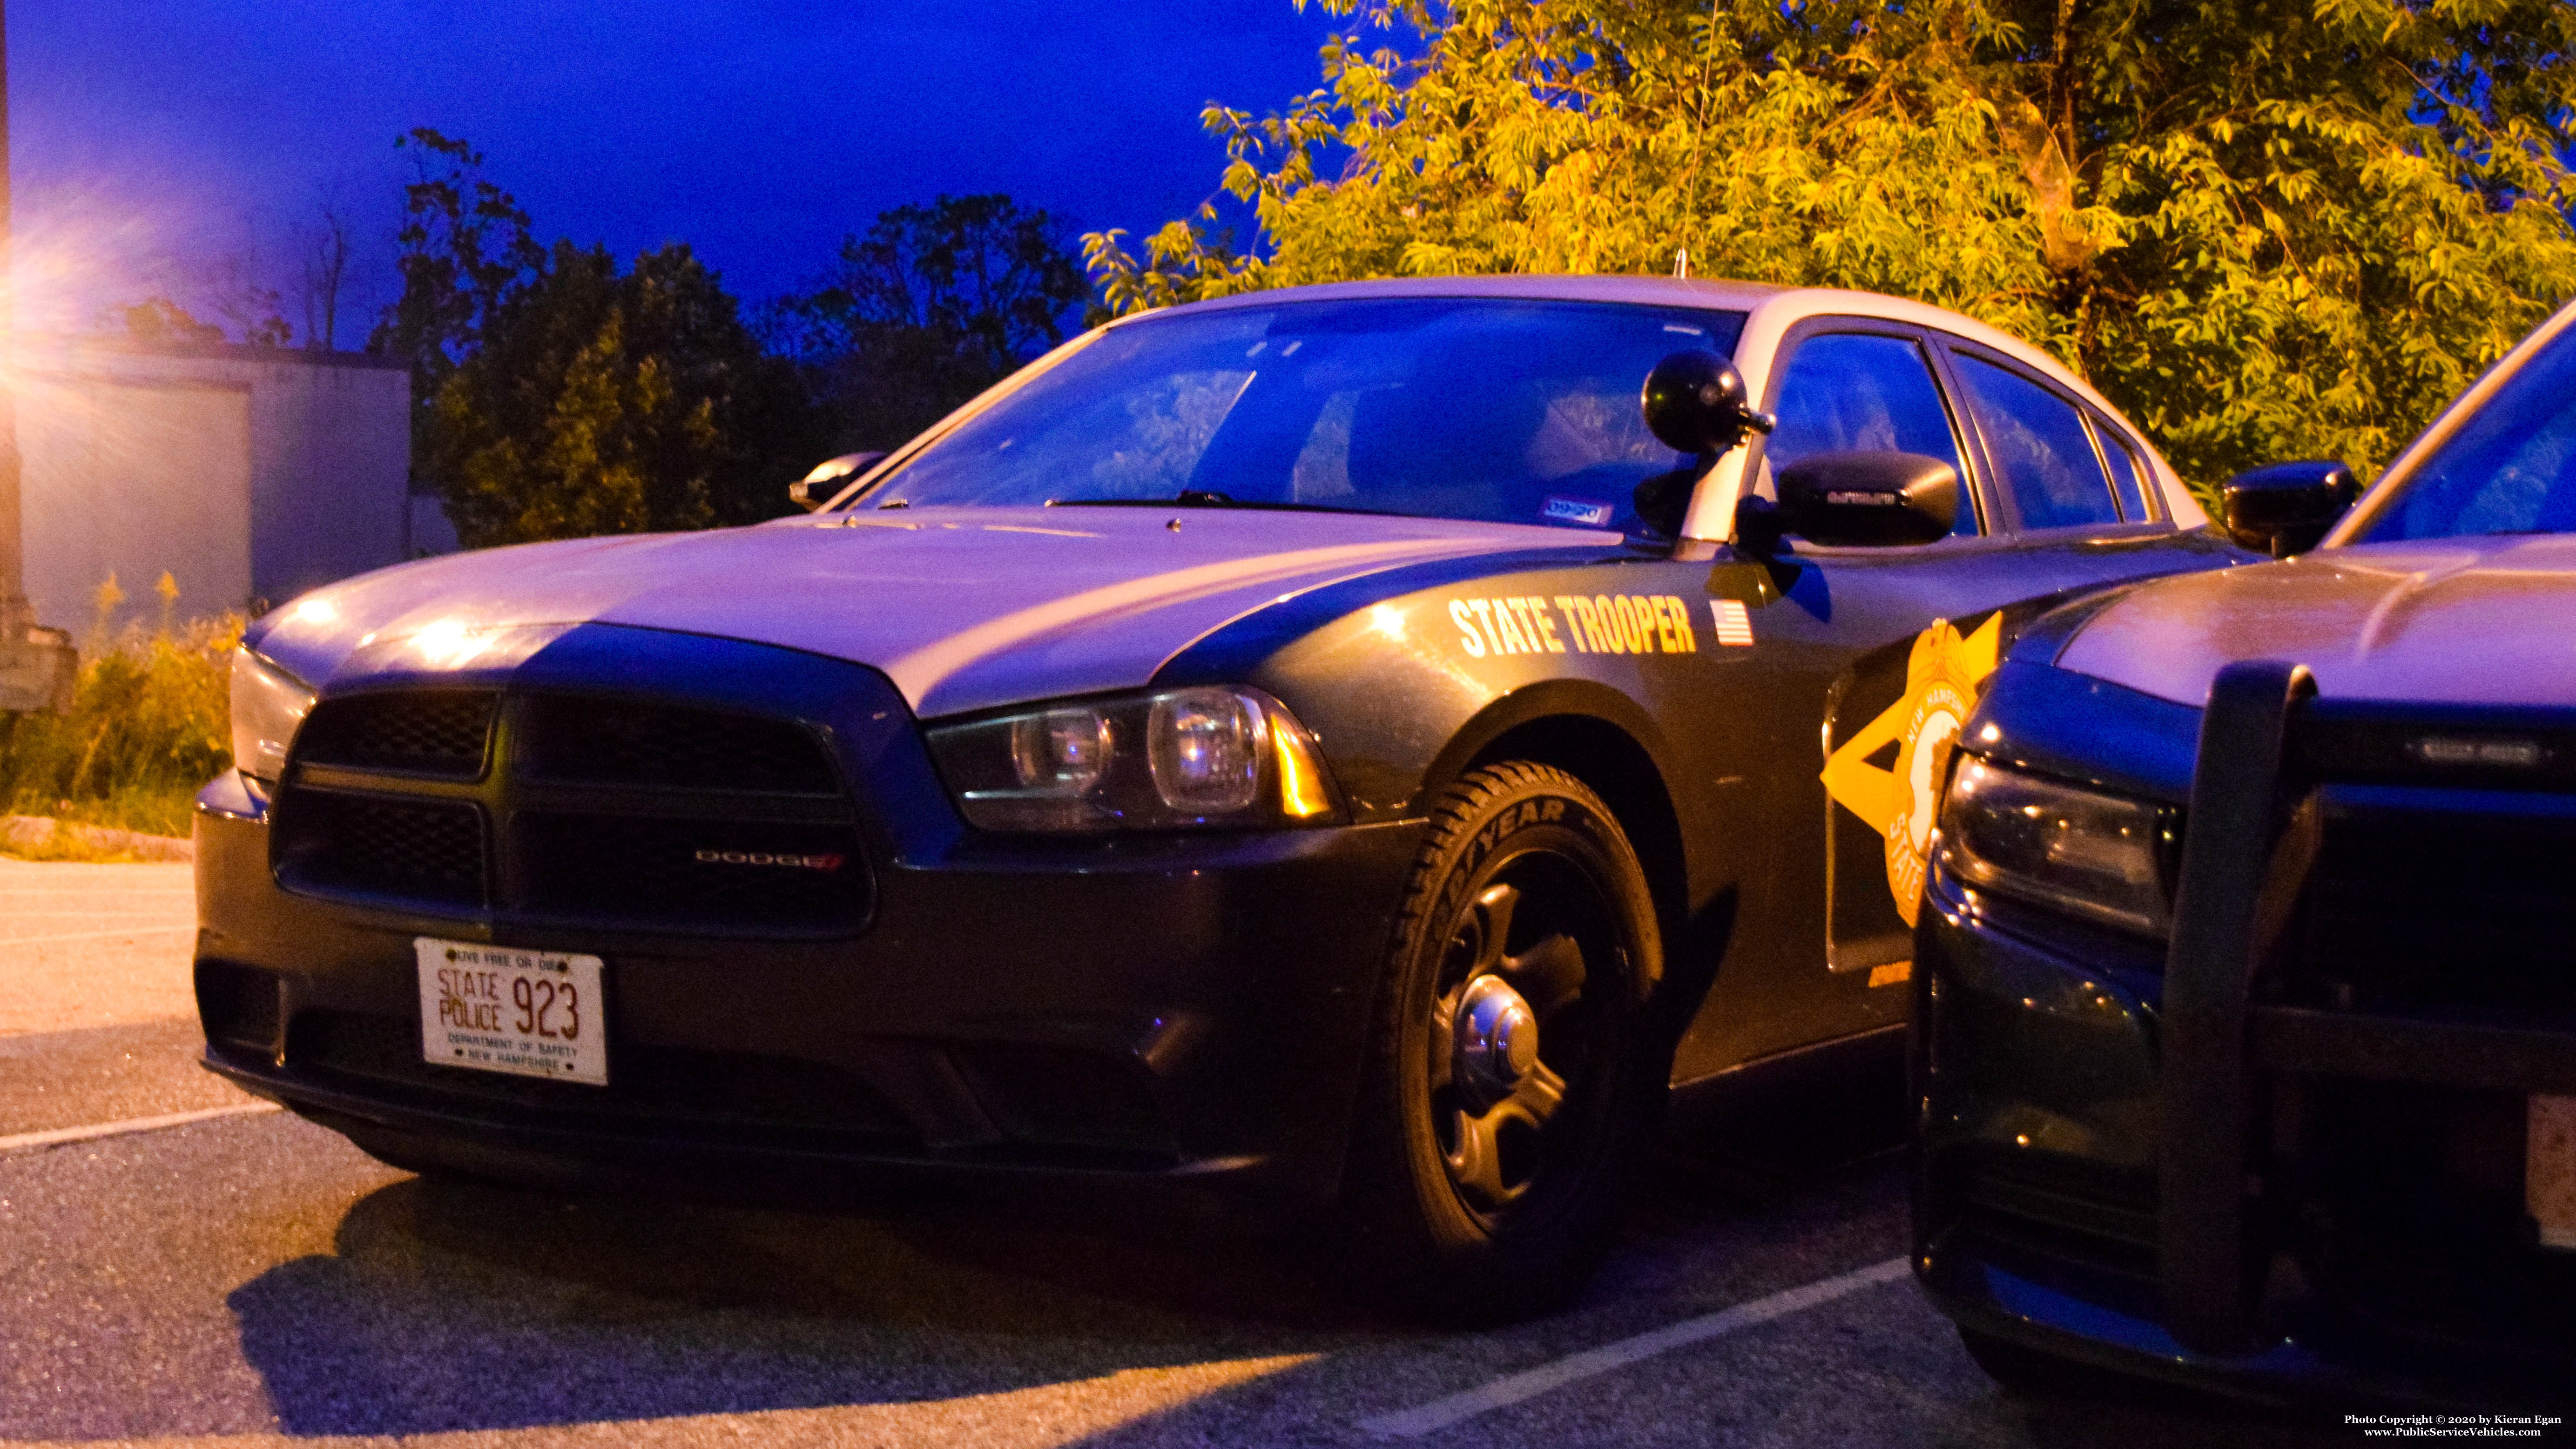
[164, 325]
[933, 305]
[2272, 229]
[609, 402]
[463, 245]
[149, 724]
[558, 396]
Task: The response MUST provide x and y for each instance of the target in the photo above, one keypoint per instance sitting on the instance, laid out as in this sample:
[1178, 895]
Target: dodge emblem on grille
[762, 857]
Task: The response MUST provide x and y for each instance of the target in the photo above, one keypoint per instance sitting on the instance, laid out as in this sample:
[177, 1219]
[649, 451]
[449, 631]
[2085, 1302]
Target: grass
[148, 725]
[62, 846]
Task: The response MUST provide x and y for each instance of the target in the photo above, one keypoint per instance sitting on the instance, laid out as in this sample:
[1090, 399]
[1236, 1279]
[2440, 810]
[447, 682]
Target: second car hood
[964, 608]
[2453, 621]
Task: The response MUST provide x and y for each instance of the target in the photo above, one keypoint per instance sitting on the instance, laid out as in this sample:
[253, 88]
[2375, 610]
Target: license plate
[528, 1013]
[2549, 1170]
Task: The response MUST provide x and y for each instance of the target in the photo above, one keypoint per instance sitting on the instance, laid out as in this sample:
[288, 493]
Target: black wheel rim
[1539, 932]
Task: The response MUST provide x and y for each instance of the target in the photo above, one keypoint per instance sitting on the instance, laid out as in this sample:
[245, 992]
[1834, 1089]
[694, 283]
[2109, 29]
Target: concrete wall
[248, 474]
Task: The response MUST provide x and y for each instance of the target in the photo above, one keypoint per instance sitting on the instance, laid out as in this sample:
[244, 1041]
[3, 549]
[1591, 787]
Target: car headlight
[2083, 852]
[268, 704]
[1171, 759]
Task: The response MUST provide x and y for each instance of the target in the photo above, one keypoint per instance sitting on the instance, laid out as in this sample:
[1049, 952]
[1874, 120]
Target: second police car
[2248, 963]
[1329, 751]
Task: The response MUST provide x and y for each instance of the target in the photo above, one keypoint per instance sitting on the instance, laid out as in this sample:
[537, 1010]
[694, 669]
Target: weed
[149, 724]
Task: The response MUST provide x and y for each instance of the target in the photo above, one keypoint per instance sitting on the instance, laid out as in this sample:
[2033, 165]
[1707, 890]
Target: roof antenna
[1681, 263]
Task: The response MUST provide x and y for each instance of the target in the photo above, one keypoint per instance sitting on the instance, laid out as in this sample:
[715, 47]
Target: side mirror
[1694, 402]
[2285, 508]
[1869, 498]
[829, 477]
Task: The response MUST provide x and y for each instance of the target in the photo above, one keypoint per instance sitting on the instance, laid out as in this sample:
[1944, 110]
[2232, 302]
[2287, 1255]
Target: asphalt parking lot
[245, 1278]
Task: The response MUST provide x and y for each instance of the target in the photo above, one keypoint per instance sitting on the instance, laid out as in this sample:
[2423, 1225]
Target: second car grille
[563, 806]
[2409, 910]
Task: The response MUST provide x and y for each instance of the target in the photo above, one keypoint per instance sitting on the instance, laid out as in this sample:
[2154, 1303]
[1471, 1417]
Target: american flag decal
[1734, 626]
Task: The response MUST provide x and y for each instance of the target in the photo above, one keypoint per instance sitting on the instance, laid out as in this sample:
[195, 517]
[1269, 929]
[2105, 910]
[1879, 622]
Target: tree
[2273, 229]
[229, 286]
[556, 395]
[463, 245]
[595, 401]
[326, 268]
[164, 325]
[933, 305]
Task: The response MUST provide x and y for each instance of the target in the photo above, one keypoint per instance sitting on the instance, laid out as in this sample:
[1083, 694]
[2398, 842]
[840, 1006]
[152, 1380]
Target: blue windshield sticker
[1590, 512]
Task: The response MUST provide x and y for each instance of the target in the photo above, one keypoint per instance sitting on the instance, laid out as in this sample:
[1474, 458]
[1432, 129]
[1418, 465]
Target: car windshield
[2511, 469]
[1505, 411]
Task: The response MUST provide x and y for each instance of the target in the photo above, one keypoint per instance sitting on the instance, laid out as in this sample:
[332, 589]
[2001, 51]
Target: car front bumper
[1178, 1016]
[2040, 1218]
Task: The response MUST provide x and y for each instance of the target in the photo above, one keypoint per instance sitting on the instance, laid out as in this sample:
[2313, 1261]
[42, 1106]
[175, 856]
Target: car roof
[1658, 291]
[1769, 307]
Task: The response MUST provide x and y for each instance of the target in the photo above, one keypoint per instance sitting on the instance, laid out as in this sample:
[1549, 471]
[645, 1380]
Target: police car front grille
[2407, 1206]
[605, 811]
[621, 741]
[692, 872]
[2410, 910]
[333, 843]
[442, 732]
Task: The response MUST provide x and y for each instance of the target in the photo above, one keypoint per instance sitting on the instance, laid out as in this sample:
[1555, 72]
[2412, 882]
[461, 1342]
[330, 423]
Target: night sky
[156, 142]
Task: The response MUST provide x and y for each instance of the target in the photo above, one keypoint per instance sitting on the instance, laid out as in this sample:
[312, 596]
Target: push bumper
[2211, 1165]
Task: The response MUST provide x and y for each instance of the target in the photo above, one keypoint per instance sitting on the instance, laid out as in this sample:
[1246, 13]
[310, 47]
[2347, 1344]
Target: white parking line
[1511, 1389]
[91, 935]
[61, 1135]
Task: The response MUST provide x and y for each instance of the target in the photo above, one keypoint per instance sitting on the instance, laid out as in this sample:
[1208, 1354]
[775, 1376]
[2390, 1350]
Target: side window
[1853, 392]
[2038, 443]
[2128, 473]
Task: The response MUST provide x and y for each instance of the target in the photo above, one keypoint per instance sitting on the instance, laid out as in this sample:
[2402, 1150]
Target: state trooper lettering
[1601, 624]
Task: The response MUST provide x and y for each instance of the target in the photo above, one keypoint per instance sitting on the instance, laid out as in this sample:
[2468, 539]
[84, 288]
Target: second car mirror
[1869, 498]
[2287, 507]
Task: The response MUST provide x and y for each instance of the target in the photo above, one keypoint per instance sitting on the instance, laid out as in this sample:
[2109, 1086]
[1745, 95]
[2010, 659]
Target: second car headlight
[267, 705]
[1205, 757]
[2086, 853]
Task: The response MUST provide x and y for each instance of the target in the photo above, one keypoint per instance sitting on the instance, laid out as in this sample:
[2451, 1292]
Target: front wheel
[1512, 1081]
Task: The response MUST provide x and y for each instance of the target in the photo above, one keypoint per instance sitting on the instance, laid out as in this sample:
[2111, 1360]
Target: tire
[1491, 1153]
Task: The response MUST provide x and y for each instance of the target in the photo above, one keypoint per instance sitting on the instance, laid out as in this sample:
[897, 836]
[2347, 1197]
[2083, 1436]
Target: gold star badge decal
[1901, 804]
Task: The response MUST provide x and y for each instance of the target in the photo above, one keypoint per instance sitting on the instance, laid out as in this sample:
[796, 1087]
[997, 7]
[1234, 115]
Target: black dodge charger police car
[1333, 752]
[2248, 959]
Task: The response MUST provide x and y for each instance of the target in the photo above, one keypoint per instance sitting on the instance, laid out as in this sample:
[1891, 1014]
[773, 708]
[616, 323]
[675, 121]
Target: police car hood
[2452, 621]
[964, 608]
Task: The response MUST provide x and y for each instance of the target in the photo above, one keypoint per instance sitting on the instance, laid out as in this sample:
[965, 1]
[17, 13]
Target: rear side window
[2039, 445]
[2128, 475]
[1853, 392]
